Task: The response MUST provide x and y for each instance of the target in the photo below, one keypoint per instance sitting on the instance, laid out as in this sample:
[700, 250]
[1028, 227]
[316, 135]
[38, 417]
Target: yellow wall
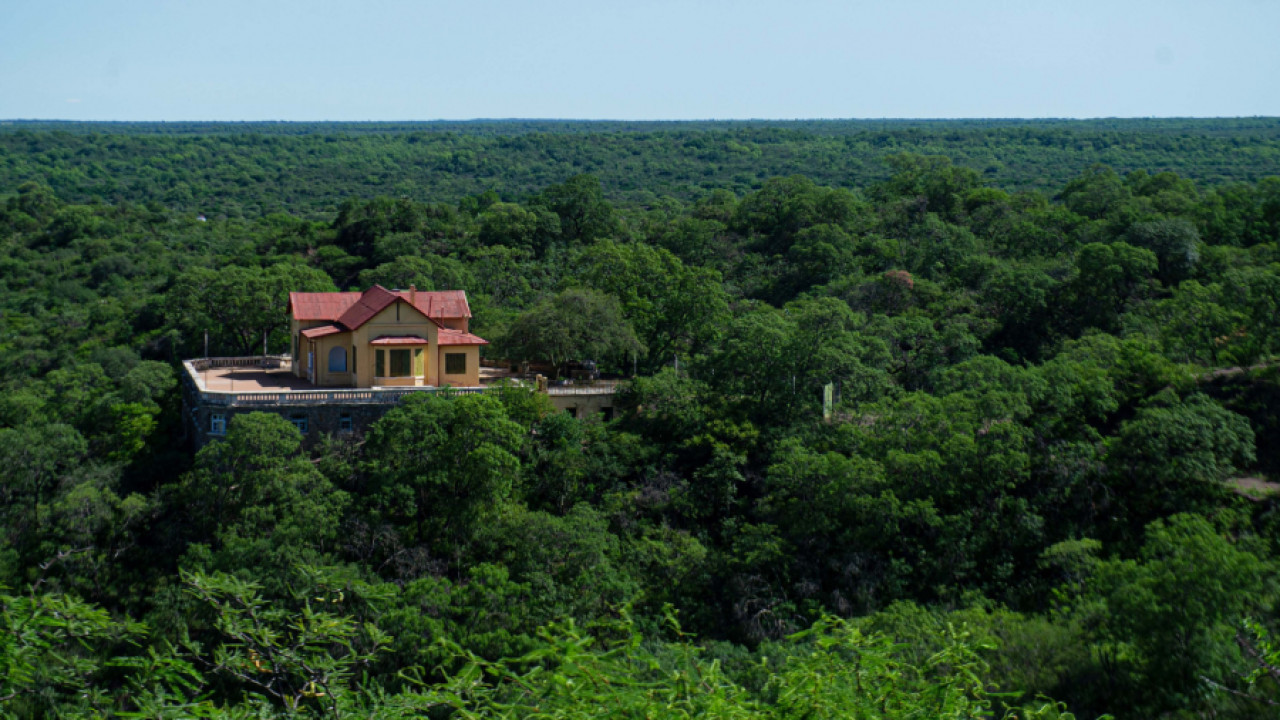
[471, 377]
[323, 346]
[299, 352]
[408, 322]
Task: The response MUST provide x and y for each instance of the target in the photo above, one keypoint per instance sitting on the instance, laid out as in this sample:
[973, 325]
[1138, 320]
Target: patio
[251, 379]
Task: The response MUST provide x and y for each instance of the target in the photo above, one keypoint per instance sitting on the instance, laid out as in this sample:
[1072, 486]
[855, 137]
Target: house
[356, 355]
[384, 338]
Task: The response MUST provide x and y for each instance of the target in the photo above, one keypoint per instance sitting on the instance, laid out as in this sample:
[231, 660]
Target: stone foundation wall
[584, 406]
[320, 419]
[207, 415]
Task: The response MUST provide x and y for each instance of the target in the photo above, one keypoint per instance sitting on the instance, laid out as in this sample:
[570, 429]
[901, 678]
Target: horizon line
[1061, 118]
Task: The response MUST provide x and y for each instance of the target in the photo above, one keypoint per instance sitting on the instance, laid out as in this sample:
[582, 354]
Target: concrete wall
[327, 418]
[584, 406]
[321, 419]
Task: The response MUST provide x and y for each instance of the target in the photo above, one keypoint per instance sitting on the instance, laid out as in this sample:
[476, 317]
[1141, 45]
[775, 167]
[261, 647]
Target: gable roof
[438, 304]
[334, 306]
[370, 303]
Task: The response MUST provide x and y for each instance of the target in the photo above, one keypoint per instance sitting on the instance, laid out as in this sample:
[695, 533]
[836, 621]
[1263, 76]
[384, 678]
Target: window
[396, 363]
[401, 363]
[455, 363]
[217, 424]
[344, 422]
[338, 360]
[353, 359]
[300, 422]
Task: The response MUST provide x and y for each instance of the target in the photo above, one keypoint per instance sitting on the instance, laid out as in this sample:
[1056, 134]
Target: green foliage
[673, 309]
[585, 216]
[1042, 357]
[1175, 454]
[424, 273]
[305, 656]
[1171, 615]
[258, 500]
[442, 466]
[239, 306]
[832, 670]
[574, 325]
[48, 654]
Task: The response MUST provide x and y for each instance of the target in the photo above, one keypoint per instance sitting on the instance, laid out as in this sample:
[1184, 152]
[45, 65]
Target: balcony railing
[272, 362]
[370, 396]
[599, 387]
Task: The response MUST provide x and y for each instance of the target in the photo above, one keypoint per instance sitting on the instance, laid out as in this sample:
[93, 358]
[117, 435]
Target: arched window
[338, 359]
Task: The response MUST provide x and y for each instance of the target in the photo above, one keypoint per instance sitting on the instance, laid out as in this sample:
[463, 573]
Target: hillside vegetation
[1053, 378]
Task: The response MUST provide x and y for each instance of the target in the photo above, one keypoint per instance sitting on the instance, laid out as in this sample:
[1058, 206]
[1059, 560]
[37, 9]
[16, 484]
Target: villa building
[384, 338]
[354, 356]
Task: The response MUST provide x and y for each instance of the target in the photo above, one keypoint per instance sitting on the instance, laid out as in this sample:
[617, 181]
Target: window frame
[450, 358]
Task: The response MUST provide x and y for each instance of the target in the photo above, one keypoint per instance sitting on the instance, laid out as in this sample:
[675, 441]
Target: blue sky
[400, 60]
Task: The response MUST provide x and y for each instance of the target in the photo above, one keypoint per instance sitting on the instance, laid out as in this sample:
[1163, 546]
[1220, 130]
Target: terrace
[269, 380]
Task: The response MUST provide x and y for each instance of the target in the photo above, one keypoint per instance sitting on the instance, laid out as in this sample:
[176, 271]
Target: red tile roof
[321, 306]
[450, 337]
[321, 331]
[439, 304]
[399, 340]
[370, 303]
[330, 307]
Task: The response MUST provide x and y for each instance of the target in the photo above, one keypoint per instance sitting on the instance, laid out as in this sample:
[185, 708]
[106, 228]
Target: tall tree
[574, 325]
[674, 308]
[584, 214]
[238, 305]
[442, 465]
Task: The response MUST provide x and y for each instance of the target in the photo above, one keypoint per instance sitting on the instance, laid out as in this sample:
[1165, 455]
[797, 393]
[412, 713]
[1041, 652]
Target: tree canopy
[912, 420]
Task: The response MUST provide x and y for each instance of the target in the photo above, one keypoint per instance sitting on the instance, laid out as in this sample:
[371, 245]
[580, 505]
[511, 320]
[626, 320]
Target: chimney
[413, 295]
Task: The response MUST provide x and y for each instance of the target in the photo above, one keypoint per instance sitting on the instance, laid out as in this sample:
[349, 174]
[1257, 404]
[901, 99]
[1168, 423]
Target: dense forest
[244, 170]
[1045, 489]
